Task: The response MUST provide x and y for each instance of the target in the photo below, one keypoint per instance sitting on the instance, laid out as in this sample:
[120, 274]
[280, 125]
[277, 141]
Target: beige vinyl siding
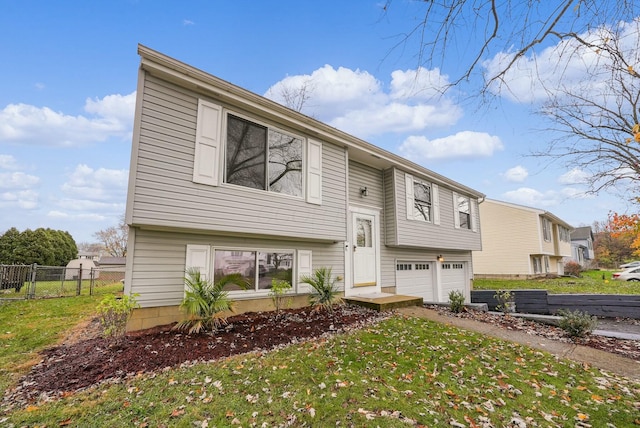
[509, 236]
[159, 260]
[165, 195]
[415, 233]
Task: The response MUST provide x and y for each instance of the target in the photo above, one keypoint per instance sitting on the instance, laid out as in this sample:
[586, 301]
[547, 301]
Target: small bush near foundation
[324, 293]
[577, 323]
[115, 313]
[278, 291]
[456, 301]
[573, 269]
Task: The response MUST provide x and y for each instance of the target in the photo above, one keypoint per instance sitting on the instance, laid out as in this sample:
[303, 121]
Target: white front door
[364, 247]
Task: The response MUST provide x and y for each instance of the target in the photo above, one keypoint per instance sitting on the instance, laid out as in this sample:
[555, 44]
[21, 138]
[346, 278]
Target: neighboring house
[582, 246]
[519, 241]
[224, 180]
[86, 255]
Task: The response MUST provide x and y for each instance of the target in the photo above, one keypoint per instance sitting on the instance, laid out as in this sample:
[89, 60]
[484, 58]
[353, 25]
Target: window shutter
[314, 172]
[456, 212]
[304, 269]
[199, 257]
[435, 194]
[408, 183]
[208, 135]
[474, 214]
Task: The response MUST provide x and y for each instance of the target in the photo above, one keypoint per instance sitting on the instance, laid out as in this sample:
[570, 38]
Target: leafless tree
[596, 119]
[590, 98]
[476, 30]
[114, 238]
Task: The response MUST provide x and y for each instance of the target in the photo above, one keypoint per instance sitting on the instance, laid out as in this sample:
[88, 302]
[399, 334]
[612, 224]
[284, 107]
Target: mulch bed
[82, 361]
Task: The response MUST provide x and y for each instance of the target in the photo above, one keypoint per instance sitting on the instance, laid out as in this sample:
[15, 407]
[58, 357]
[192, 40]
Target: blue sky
[68, 85]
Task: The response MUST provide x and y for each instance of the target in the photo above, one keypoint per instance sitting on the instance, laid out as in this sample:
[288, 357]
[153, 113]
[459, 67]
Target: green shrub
[577, 323]
[324, 290]
[114, 313]
[573, 268]
[505, 299]
[456, 301]
[278, 292]
[205, 302]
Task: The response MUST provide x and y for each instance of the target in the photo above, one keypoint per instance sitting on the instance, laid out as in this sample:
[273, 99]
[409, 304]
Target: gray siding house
[582, 246]
[225, 180]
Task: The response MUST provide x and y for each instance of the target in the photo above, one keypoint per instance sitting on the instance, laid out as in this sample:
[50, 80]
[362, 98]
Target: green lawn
[28, 326]
[591, 282]
[399, 371]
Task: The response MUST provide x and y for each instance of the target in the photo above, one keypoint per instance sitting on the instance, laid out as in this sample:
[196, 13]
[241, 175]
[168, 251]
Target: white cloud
[537, 199]
[17, 180]
[8, 162]
[575, 176]
[466, 144]
[25, 199]
[104, 185]
[566, 65]
[111, 116]
[67, 216]
[517, 174]
[418, 84]
[356, 102]
[532, 198]
[187, 22]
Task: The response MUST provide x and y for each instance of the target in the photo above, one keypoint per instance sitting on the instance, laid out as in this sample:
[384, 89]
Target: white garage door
[453, 278]
[415, 279]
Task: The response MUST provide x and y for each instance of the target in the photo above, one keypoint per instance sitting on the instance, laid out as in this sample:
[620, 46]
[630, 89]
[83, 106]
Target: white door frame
[349, 289]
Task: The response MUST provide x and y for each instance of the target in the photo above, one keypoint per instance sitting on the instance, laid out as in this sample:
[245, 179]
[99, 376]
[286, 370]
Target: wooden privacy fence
[543, 303]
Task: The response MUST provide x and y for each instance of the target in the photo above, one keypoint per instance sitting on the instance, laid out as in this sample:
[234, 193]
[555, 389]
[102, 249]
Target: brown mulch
[85, 359]
[81, 361]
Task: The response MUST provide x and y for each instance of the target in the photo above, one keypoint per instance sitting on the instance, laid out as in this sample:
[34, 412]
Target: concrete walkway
[607, 361]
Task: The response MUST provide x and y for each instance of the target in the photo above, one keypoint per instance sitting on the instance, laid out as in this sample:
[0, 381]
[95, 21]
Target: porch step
[383, 301]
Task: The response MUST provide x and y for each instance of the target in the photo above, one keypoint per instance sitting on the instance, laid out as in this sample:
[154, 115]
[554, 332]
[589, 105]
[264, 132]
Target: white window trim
[409, 181]
[253, 292]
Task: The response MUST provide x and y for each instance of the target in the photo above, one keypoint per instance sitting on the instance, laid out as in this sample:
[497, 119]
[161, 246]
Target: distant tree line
[46, 247]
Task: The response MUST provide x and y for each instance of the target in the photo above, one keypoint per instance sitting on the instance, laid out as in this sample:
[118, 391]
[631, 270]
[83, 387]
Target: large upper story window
[263, 158]
[245, 153]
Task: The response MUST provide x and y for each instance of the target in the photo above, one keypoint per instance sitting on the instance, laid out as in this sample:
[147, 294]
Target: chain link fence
[34, 281]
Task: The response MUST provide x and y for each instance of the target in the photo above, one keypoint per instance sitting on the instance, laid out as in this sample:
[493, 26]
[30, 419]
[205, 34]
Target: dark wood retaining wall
[541, 302]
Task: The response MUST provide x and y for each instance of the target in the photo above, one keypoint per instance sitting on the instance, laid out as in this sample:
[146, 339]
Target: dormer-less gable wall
[187, 144]
[426, 214]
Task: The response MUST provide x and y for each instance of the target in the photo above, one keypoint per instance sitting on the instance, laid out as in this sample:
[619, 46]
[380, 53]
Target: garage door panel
[415, 279]
[453, 277]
